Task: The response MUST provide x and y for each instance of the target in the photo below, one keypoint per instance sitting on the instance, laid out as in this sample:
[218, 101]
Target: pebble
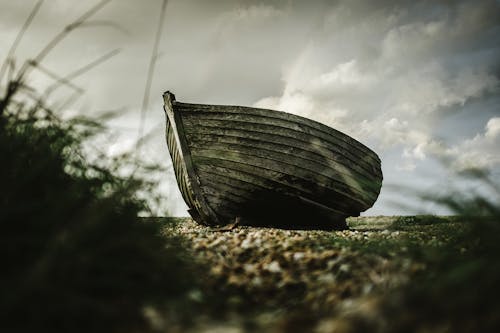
[278, 269]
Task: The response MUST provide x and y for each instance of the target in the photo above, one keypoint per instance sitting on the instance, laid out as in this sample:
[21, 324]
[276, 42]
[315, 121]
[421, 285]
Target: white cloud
[387, 77]
[479, 152]
[482, 151]
[413, 38]
[256, 11]
[382, 72]
[343, 76]
[241, 19]
[431, 88]
[493, 128]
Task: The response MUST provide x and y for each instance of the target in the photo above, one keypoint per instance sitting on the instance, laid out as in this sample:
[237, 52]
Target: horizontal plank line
[218, 189]
[294, 142]
[341, 148]
[219, 173]
[318, 166]
[326, 196]
[281, 115]
[206, 139]
[279, 122]
[283, 166]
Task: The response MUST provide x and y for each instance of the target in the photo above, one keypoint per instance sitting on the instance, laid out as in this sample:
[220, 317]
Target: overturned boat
[266, 167]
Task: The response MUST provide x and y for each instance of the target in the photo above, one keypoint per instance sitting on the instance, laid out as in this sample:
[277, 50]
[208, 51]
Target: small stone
[195, 295]
[327, 278]
[246, 244]
[345, 268]
[249, 268]
[298, 256]
[274, 267]
[256, 281]
[331, 263]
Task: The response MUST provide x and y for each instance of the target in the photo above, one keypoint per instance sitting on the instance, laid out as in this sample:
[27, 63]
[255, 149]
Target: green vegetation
[455, 288]
[458, 290]
[75, 255]
[405, 236]
[77, 258]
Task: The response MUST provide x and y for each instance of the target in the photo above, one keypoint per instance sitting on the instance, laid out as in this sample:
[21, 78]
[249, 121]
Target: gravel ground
[275, 280]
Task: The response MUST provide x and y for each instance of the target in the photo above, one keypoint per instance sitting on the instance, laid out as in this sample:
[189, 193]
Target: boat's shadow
[275, 211]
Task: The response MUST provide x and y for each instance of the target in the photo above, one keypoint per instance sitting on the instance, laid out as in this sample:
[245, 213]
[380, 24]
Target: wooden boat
[266, 167]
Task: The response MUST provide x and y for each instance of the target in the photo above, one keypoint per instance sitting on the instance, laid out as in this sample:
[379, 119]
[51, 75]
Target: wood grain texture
[255, 164]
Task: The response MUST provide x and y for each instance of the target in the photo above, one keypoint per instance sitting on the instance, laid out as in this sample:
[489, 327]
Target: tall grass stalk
[10, 55]
[149, 79]
[75, 255]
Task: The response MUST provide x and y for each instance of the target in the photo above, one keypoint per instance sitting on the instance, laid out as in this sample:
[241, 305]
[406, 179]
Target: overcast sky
[416, 81]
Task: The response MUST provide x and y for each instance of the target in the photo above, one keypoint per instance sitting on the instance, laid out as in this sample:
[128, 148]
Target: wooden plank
[338, 146]
[215, 185]
[286, 137]
[180, 145]
[224, 182]
[179, 170]
[295, 164]
[279, 115]
[281, 123]
[349, 187]
[247, 178]
[232, 208]
[228, 158]
[293, 147]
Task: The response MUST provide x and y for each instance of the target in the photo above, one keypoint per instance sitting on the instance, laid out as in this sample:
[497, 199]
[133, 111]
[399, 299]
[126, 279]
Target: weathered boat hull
[267, 167]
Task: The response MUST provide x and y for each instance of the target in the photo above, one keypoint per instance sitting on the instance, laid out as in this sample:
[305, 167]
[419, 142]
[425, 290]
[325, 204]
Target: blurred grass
[458, 291]
[75, 256]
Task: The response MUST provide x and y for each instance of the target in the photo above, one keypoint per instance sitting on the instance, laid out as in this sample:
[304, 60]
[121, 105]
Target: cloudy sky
[416, 81]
